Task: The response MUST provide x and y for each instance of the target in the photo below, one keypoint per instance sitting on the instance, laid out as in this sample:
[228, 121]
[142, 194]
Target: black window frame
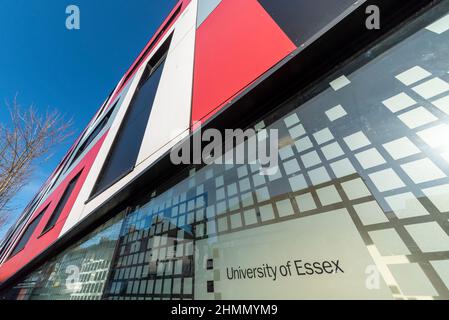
[56, 214]
[28, 233]
[151, 67]
[103, 107]
[91, 137]
[150, 47]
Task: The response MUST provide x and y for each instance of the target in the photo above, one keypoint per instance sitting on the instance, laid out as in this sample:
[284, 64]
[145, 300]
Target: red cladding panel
[236, 44]
[37, 244]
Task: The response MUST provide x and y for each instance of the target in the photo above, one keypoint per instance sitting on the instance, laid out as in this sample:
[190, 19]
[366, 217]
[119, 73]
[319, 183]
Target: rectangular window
[65, 197]
[124, 153]
[152, 44]
[98, 129]
[105, 104]
[91, 256]
[28, 233]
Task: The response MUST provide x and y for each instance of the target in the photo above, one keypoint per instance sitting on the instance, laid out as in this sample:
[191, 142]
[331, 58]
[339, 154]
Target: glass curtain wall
[79, 273]
[358, 207]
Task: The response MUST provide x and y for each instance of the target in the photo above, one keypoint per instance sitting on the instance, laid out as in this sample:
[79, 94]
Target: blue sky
[72, 71]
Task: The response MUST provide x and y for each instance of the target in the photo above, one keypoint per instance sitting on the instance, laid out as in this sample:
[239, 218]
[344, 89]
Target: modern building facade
[357, 208]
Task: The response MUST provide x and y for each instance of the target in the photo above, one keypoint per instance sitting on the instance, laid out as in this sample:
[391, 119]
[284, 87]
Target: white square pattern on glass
[401, 148]
[285, 208]
[386, 180]
[412, 280]
[297, 131]
[236, 221]
[413, 75]
[435, 136]
[429, 237]
[422, 171]
[319, 176]
[355, 189]
[323, 136]
[336, 113]
[406, 206]
[328, 195]
[417, 118]
[298, 183]
[291, 120]
[442, 268]
[340, 83]
[440, 26]
[399, 102]
[291, 166]
[431, 88]
[342, 168]
[370, 213]
[370, 158]
[303, 144]
[439, 196]
[442, 104]
[311, 159]
[286, 152]
[332, 151]
[267, 213]
[305, 202]
[389, 243]
[356, 141]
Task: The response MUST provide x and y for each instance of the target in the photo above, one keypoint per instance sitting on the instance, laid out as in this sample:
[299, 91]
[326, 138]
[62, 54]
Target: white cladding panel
[170, 116]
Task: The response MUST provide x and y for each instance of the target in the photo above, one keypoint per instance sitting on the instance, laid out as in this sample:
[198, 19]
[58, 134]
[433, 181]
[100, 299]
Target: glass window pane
[79, 273]
[61, 204]
[125, 151]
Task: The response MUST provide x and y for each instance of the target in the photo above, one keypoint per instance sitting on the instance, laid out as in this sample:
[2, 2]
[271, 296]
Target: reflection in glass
[77, 274]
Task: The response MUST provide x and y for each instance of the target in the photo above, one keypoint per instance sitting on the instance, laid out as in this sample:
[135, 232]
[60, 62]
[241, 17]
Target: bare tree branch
[26, 142]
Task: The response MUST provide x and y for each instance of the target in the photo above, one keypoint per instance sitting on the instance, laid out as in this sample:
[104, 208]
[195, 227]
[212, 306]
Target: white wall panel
[170, 116]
